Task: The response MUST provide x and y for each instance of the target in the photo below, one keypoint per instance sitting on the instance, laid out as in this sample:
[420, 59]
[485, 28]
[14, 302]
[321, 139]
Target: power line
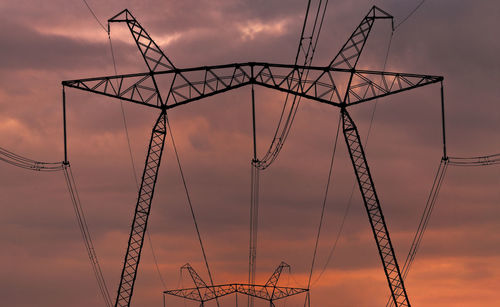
[282, 130]
[95, 17]
[424, 220]
[87, 238]
[190, 204]
[254, 206]
[284, 125]
[22, 162]
[323, 207]
[409, 15]
[475, 161]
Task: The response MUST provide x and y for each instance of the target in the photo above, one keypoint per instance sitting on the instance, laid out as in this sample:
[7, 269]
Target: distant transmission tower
[203, 293]
[338, 84]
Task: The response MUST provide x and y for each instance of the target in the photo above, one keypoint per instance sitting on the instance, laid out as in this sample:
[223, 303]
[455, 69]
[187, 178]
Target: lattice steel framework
[142, 209]
[339, 84]
[203, 293]
[372, 206]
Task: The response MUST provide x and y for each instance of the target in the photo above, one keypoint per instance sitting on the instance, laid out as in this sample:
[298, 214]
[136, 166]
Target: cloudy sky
[43, 259]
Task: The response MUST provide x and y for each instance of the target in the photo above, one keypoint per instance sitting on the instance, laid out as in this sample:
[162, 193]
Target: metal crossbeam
[323, 84]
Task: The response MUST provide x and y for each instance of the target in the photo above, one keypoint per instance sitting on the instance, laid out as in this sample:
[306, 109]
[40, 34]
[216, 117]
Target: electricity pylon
[339, 84]
[203, 293]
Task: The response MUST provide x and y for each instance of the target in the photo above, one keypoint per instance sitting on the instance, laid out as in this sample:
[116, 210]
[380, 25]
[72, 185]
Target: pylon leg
[142, 209]
[372, 205]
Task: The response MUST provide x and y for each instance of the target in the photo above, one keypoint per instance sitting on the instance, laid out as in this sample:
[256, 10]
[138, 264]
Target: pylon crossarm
[273, 280]
[282, 292]
[137, 88]
[198, 281]
[153, 56]
[350, 52]
[204, 294]
[190, 294]
[323, 84]
[369, 85]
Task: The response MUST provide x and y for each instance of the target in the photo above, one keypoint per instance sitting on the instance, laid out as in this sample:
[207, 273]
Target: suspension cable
[254, 225]
[84, 230]
[424, 220]
[475, 161]
[325, 197]
[22, 162]
[281, 133]
[409, 15]
[95, 17]
[284, 126]
[190, 205]
[254, 204]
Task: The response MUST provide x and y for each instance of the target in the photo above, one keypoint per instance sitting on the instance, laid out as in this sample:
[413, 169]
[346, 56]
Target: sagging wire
[424, 220]
[254, 223]
[93, 14]
[475, 161]
[325, 198]
[254, 204]
[409, 15]
[282, 131]
[284, 127]
[190, 206]
[84, 230]
[22, 162]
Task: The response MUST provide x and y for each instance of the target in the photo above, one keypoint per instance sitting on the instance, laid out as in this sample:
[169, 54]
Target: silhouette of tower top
[201, 292]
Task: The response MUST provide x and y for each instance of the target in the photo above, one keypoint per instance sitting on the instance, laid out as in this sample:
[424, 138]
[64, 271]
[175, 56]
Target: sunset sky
[43, 260]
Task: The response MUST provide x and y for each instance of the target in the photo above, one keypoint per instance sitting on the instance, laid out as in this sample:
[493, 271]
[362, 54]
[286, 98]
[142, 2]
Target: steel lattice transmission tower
[338, 84]
[270, 291]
